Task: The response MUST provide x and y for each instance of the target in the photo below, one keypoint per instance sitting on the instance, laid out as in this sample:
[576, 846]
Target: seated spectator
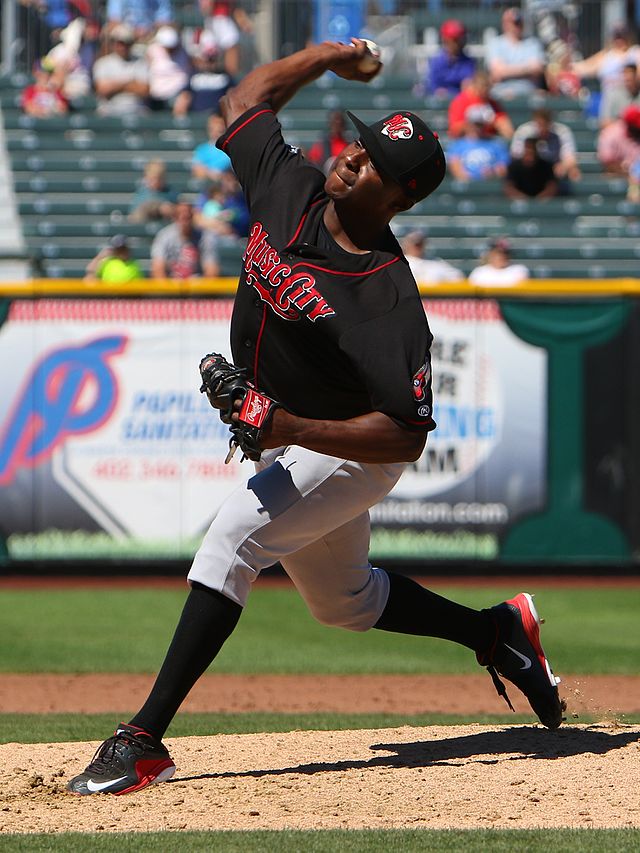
[477, 92]
[426, 270]
[42, 99]
[210, 209]
[617, 98]
[497, 269]
[114, 264]
[560, 77]
[515, 63]
[607, 64]
[153, 199]
[529, 176]
[619, 142]
[169, 68]
[208, 82]
[220, 22]
[224, 210]
[121, 81]
[181, 251]
[555, 143]
[208, 162]
[73, 58]
[478, 156]
[143, 16]
[323, 152]
[452, 66]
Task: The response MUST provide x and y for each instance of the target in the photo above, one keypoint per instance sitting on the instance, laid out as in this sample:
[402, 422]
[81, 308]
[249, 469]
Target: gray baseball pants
[309, 512]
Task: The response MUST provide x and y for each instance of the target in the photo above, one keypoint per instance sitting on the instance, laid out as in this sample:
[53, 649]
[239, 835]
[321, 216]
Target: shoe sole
[531, 624]
[167, 769]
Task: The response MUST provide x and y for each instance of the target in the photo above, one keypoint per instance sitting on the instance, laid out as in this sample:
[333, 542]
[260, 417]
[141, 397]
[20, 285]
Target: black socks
[412, 609]
[208, 618]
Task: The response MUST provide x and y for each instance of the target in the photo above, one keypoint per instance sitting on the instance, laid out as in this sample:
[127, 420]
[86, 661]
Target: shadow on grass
[514, 744]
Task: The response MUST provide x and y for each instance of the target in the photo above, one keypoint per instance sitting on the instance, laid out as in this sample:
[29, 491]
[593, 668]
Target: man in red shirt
[323, 152]
[42, 99]
[477, 92]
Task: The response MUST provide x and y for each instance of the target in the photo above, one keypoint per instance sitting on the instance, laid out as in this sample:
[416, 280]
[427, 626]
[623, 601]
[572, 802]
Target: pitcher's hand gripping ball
[371, 59]
[224, 385]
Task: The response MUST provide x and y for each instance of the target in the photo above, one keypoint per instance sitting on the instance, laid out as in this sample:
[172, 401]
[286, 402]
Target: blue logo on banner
[52, 405]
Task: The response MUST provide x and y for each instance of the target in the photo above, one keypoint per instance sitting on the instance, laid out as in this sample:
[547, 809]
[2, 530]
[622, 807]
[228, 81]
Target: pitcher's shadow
[515, 744]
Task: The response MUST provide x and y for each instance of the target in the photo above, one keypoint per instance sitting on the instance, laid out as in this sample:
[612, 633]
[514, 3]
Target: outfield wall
[108, 452]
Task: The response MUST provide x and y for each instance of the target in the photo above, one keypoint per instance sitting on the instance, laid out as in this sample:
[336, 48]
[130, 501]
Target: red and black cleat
[517, 654]
[128, 761]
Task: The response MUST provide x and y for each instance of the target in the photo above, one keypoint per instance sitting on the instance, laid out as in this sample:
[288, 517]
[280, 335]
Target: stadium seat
[74, 177]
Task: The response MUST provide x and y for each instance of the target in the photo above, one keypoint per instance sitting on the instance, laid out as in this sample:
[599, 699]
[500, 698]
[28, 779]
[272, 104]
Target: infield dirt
[438, 777]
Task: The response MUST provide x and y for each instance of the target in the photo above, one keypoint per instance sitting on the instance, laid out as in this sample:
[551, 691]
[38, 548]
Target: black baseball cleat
[126, 762]
[517, 654]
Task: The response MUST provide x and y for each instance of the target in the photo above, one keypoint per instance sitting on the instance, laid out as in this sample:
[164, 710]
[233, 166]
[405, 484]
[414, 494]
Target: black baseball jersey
[330, 334]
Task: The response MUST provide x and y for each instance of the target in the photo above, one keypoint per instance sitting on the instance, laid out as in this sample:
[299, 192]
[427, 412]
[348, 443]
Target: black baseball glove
[224, 384]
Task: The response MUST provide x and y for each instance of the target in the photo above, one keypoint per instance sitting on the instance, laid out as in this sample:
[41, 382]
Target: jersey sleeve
[392, 355]
[261, 158]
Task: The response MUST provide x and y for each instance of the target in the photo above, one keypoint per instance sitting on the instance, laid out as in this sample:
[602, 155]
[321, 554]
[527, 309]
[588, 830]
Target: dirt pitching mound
[436, 777]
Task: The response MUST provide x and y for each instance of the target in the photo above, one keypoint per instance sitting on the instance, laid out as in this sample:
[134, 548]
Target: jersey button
[248, 343]
[257, 302]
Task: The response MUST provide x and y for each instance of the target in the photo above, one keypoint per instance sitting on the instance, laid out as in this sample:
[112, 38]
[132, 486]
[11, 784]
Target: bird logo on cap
[398, 127]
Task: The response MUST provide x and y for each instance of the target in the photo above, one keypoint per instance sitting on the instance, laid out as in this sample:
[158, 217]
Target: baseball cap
[631, 116]
[167, 37]
[402, 146]
[123, 33]
[453, 29]
[480, 114]
[118, 241]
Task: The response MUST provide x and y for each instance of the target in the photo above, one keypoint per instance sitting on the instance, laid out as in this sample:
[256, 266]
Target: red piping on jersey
[302, 221]
[258, 342]
[331, 272]
[244, 124]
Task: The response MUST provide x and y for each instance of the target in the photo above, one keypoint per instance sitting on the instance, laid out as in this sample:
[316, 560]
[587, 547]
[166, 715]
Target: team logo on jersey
[290, 294]
[422, 381]
[398, 127]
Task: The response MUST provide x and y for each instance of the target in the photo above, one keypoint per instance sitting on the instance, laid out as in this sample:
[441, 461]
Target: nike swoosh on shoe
[95, 787]
[526, 662]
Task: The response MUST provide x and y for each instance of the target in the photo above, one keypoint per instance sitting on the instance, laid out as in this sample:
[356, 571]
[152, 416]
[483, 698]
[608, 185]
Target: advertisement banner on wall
[107, 448]
[484, 466]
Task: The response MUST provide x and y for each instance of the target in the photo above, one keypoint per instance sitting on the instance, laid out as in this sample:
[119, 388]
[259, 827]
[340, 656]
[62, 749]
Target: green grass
[336, 841]
[85, 630]
[56, 728]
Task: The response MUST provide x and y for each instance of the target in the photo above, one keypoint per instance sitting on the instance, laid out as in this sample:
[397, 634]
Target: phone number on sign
[124, 469]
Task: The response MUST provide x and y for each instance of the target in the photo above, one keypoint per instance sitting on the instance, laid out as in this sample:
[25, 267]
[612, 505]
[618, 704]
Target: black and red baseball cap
[402, 146]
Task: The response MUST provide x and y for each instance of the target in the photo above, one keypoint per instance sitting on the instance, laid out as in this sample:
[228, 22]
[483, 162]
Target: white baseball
[371, 59]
